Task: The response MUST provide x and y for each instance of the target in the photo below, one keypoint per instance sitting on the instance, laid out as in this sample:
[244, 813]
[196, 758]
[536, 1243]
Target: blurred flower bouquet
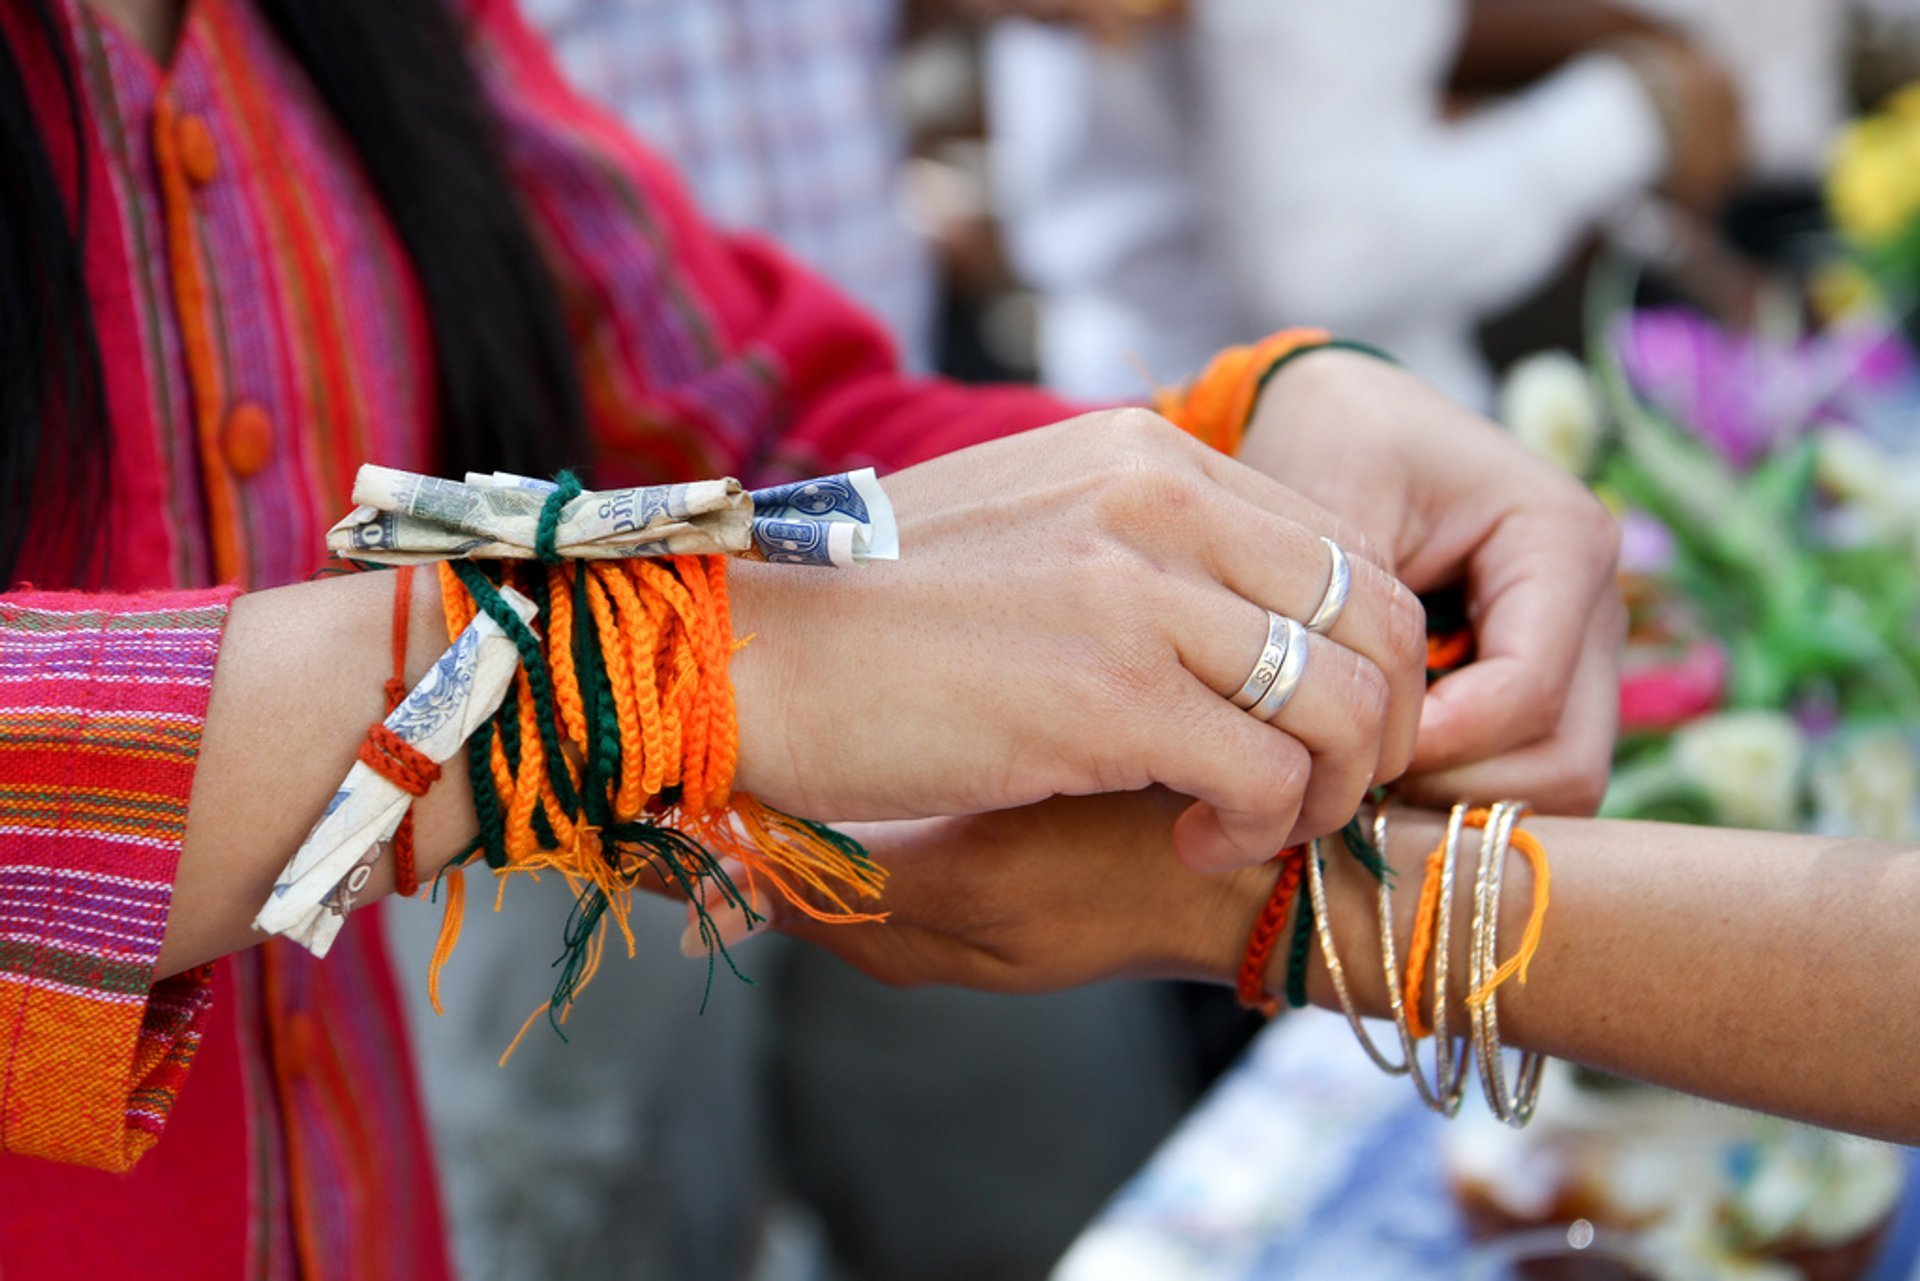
[1769, 496]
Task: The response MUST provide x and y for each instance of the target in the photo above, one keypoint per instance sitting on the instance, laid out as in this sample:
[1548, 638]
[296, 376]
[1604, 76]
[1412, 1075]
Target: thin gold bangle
[1514, 1107]
[1442, 1098]
[1323, 926]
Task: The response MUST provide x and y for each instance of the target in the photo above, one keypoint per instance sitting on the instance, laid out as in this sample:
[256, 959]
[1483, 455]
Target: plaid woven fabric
[101, 704]
[779, 114]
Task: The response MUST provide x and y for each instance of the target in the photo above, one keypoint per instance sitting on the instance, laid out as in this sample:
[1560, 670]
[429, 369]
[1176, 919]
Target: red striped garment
[263, 335]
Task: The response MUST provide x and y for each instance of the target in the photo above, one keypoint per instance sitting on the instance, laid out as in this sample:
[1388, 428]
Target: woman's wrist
[763, 678]
[1352, 904]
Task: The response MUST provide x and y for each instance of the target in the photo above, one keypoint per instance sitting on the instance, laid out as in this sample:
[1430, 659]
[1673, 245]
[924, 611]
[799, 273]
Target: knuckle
[1142, 429]
[1366, 696]
[1358, 545]
[1141, 492]
[1406, 624]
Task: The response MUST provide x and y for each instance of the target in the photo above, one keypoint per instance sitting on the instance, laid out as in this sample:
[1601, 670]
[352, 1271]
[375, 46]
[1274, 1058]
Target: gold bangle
[1514, 1107]
[1323, 926]
[1444, 1093]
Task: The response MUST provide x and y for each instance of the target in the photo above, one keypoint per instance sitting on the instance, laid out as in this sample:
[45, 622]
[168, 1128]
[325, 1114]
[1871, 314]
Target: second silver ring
[1293, 666]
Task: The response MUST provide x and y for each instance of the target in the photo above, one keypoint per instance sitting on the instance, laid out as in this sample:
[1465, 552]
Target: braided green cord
[539, 679]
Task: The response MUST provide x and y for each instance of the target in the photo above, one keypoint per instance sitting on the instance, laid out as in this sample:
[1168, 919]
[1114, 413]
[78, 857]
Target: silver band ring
[1339, 583]
[1267, 666]
[1293, 665]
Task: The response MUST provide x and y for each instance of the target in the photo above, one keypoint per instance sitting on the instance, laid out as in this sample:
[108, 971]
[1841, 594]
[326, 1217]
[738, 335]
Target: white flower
[1869, 785]
[1880, 489]
[1548, 402]
[1748, 764]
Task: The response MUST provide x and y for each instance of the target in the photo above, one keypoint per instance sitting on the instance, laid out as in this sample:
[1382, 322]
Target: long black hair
[395, 76]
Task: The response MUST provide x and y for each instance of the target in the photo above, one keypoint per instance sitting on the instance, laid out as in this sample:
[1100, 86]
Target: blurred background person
[1282, 160]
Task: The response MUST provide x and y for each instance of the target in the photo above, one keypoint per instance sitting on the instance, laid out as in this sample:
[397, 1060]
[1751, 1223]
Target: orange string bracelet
[613, 757]
[1265, 935]
[1516, 965]
[392, 757]
[1426, 923]
[1216, 407]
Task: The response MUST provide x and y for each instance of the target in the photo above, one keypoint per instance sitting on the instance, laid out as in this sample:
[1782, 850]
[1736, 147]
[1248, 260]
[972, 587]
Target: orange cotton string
[1536, 855]
[1426, 922]
[632, 684]
[1215, 407]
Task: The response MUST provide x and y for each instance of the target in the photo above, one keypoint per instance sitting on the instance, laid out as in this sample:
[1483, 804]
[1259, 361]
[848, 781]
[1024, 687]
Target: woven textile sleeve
[102, 699]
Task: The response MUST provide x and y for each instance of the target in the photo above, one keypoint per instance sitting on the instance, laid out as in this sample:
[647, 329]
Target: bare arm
[1762, 969]
[299, 681]
[1769, 970]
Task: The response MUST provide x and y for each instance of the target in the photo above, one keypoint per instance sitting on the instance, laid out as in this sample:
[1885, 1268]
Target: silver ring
[1339, 583]
[1293, 665]
[1267, 666]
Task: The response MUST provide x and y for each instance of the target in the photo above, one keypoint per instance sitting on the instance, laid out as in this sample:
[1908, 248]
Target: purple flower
[1746, 394]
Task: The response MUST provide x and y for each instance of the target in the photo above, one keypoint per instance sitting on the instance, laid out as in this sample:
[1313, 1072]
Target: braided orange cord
[454, 601]
[677, 670]
[699, 785]
[1426, 922]
[1251, 987]
[658, 738]
[524, 794]
[566, 683]
[627, 706]
[724, 744]
[662, 631]
[1215, 407]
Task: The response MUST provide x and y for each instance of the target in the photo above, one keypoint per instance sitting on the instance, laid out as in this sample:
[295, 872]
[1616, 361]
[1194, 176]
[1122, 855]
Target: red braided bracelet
[1266, 932]
[392, 757]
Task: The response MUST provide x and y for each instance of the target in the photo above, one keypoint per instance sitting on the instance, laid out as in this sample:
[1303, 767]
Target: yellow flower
[1873, 179]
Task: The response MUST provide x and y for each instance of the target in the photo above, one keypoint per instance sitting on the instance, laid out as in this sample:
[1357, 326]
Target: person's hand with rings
[1097, 606]
[1448, 498]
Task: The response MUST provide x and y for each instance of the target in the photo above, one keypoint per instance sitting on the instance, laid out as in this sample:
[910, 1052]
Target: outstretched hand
[1052, 896]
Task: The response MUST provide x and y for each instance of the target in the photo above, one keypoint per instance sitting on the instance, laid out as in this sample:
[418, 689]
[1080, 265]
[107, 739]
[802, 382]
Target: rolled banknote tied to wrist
[327, 874]
[406, 518]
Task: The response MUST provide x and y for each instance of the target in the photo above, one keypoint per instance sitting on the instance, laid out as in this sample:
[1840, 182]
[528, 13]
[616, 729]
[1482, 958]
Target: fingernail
[729, 924]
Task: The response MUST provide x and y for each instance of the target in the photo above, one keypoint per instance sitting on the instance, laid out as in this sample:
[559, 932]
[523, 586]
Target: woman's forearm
[299, 680]
[1764, 969]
